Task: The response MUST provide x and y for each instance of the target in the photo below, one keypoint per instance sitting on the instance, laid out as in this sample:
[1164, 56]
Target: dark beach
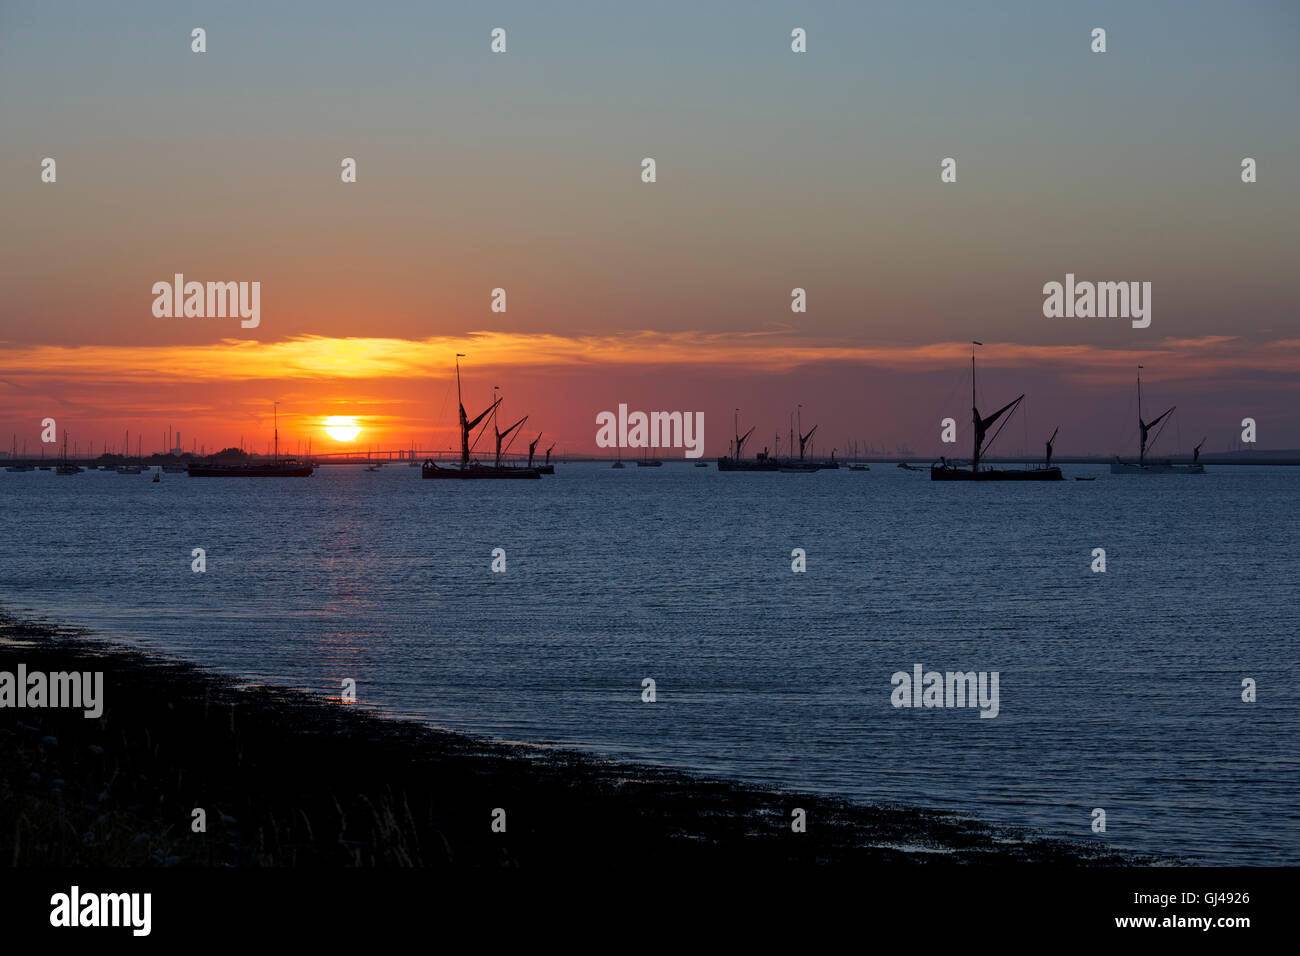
[288, 780]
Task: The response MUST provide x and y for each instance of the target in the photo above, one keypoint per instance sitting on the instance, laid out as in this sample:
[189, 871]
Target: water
[1119, 690]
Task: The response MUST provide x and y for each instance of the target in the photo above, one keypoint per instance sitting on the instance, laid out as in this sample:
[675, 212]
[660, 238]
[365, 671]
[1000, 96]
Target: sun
[341, 428]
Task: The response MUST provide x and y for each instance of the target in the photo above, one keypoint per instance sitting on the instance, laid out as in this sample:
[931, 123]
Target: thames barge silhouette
[467, 469]
[1144, 467]
[950, 471]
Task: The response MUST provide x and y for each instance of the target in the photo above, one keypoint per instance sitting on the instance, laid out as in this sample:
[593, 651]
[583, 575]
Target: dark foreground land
[288, 780]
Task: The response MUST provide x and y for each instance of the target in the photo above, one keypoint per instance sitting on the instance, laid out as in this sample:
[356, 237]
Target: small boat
[906, 467]
[130, 469]
[547, 468]
[66, 467]
[859, 467]
[1077, 478]
[701, 464]
[649, 463]
[13, 455]
[619, 464]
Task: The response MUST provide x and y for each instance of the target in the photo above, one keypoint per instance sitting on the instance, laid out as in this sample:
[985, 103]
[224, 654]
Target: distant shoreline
[290, 780]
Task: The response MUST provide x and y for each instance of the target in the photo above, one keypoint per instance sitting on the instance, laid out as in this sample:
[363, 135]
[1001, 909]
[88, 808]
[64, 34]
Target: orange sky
[402, 390]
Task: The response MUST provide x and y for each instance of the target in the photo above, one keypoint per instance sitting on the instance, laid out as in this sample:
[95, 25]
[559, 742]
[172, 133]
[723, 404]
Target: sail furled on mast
[503, 434]
[467, 426]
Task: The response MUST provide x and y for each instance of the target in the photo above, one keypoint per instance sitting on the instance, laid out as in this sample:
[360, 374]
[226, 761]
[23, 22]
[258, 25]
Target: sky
[522, 171]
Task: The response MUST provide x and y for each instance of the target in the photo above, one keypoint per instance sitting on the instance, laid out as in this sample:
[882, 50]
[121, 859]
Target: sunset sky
[522, 171]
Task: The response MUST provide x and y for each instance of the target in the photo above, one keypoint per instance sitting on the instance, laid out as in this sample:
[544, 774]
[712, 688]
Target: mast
[465, 424]
[975, 414]
[1144, 428]
[275, 412]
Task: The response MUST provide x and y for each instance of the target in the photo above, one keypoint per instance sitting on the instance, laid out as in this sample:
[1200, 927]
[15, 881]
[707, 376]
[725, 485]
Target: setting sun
[341, 429]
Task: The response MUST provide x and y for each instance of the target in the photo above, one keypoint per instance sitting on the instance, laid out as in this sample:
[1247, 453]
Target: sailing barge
[949, 471]
[466, 468]
[1144, 467]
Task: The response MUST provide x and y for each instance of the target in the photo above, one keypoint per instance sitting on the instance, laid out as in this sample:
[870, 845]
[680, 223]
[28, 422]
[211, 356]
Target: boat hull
[947, 473]
[546, 469]
[1154, 468]
[759, 464]
[431, 470]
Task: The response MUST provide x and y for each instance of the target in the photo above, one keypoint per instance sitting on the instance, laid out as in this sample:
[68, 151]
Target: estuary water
[1119, 690]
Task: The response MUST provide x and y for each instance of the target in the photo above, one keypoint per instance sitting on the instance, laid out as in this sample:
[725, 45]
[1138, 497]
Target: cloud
[318, 358]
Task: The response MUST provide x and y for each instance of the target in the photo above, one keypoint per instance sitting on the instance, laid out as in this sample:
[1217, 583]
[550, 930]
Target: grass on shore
[289, 780]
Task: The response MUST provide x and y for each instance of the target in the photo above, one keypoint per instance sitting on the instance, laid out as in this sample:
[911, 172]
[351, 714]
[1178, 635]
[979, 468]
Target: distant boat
[275, 468]
[949, 471]
[906, 467]
[19, 466]
[649, 463]
[1092, 478]
[736, 460]
[130, 469]
[1144, 467]
[468, 469]
[547, 468]
[618, 463]
[175, 467]
[859, 467]
[66, 467]
[701, 464]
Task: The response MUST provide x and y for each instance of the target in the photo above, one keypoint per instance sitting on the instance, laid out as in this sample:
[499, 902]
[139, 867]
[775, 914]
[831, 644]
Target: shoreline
[287, 779]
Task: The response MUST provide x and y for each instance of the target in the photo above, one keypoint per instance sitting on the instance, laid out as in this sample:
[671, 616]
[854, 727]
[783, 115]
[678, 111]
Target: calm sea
[1119, 690]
